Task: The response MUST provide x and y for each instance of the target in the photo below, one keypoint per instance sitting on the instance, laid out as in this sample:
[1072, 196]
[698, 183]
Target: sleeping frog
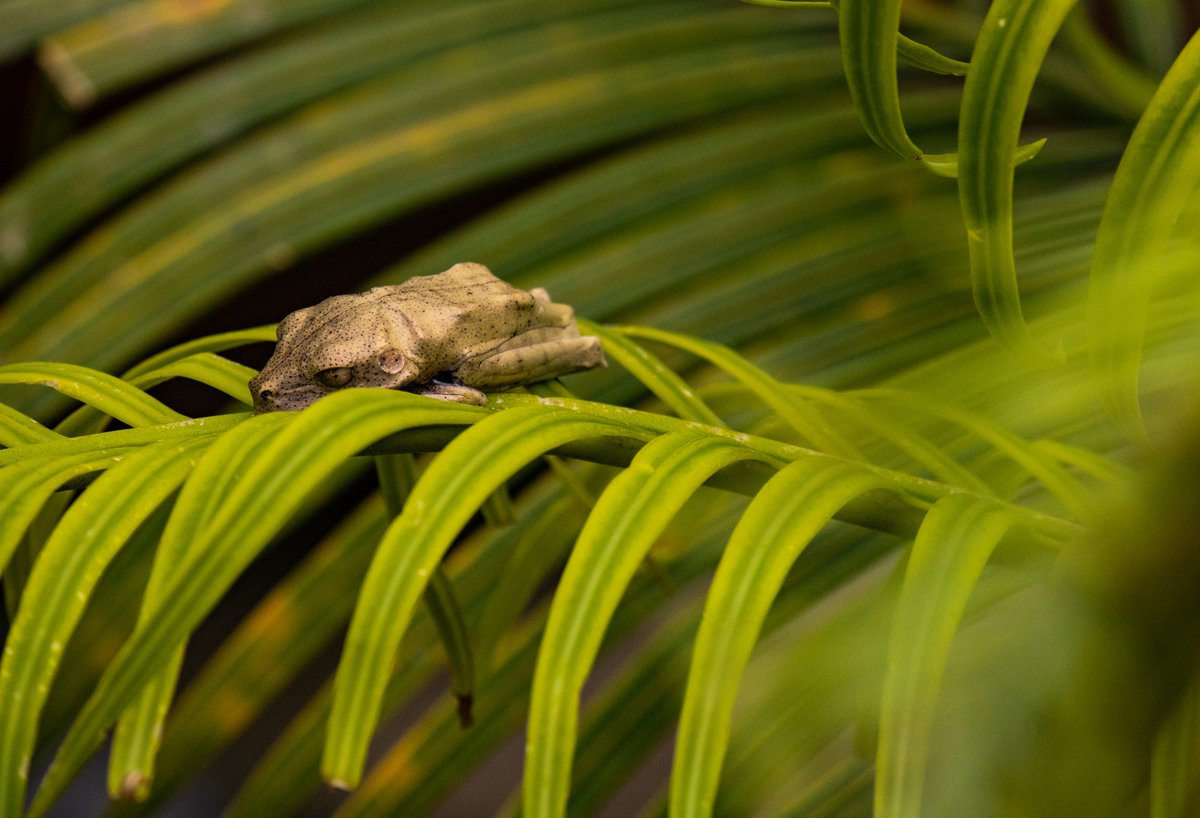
[452, 336]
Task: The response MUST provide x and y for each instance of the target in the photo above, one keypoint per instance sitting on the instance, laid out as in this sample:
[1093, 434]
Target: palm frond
[890, 528]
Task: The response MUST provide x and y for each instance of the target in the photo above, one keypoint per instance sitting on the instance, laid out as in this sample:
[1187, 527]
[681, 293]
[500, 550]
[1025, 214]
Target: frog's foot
[448, 391]
[535, 362]
[559, 316]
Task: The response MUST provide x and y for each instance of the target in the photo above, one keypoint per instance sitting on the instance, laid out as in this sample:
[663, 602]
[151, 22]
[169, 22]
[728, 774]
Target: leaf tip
[135, 786]
[1027, 152]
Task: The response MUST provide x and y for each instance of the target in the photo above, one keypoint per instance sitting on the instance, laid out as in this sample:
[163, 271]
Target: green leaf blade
[780, 522]
[265, 653]
[629, 516]
[122, 438]
[919, 55]
[106, 393]
[1008, 54]
[1154, 183]
[141, 39]
[287, 467]
[98, 524]
[949, 554]
[454, 485]
[869, 32]
[138, 731]
[653, 374]
[27, 486]
[18, 429]
[797, 414]
[203, 367]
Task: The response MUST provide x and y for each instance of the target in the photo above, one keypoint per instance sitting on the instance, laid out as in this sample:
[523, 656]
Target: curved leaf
[295, 757]
[141, 436]
[948, 556]
[1154, 183]
[871, 41]
[629, 516]
[797, 414]
[28, 485]
[265, 653]
[146, 37]
[193, 360]
[17, 429]
[424, 764]
[449, 491]
[1042, 466]
[91, 531]
[909, 51]
[197, 346]
[868, 32]
[653, 374]
[108, 394]
[203, 367]
[1008, 54]
[946, 164]
[396, 479]
[775, 395]
[22, 24]
[780, 522]
[906, 439]
[919, 55]
[872, 512]
[136, 738]
[286, 469]
[629, 719]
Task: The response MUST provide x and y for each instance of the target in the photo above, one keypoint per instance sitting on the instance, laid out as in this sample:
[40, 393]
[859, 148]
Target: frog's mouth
[269, 397]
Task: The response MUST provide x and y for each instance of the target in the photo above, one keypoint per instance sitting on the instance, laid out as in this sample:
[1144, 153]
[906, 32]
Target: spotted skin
[451, 336]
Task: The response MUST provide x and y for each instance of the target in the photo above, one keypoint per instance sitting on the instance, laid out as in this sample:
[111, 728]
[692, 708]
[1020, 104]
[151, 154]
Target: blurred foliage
[884, 507]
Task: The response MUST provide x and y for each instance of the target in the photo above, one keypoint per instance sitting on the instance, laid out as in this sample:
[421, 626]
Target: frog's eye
[391, 361]
[336, 377]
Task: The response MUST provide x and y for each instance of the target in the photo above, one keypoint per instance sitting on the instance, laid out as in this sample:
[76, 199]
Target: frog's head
[345, 341]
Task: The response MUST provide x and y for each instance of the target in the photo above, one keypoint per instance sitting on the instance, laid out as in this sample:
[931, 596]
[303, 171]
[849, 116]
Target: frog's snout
[275, 393]
[262, 395]
[263, 399]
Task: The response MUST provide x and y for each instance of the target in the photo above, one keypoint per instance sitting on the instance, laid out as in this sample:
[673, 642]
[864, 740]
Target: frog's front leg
[447, 391]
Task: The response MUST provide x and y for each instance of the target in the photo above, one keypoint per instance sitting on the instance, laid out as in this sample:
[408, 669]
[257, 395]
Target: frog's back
[463, 311]
[463, 286]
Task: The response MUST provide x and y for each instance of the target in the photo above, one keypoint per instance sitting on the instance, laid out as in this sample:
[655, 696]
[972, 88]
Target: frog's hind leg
[531, 363]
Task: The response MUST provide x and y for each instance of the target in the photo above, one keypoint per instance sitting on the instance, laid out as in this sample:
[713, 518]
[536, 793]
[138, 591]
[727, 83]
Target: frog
[454, 336]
